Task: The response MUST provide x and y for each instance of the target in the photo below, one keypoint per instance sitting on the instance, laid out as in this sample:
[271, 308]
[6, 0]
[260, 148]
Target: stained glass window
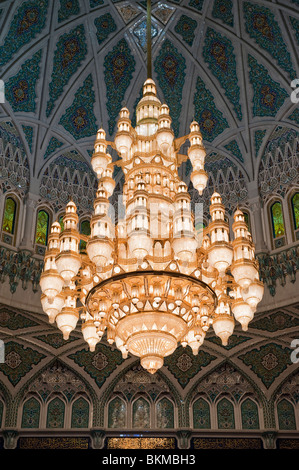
[201, 414]
[277, 220]
[295, 210]
[85, 230]
[9, 215]
[60, 220]
[42, 226]
[286, 415]
[165, 414]
[55, 416]
[141, 414]
[250, 415]
[247, 220]
[31, 413]
[225, 414]
[117, 413]
[80, 413]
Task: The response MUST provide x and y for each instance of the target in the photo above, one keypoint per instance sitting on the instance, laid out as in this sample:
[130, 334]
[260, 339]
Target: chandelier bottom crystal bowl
[149, 312]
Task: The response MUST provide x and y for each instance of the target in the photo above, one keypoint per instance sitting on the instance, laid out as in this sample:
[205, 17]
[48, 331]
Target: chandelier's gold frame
[151, 281]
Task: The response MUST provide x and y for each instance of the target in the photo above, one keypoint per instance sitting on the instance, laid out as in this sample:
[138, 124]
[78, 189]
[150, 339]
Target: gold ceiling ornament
[150, 281]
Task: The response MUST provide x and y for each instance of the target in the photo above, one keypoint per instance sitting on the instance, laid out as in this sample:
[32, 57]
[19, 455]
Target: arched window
[250, 415]
[55, 415]
[31, 414]
[80, 413]
[295, 210]
[1, 413]
[165, 414]
[117, 412]
[201, 414]
[225, 414]
[60, 220]
[286, 415]
[9, 217]
[277, 220]
[247, 220]
[42, 227]
[85, 230]
[141, 414]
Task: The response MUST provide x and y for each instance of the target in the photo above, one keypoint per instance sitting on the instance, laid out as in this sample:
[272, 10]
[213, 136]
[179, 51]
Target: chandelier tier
[150, 281]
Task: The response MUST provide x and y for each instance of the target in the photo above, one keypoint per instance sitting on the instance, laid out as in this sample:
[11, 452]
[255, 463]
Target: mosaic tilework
[119, 66]
[185, 27]
[219, 55]
[53, 443]
[170, 68]
[80, 413]
[29, 20]
[210, 119]
[294, 116]
[184, 365]
[275, 322]
[70, 51]
[95, 3]
[28, 131]
[163, 12]
[223, 10]
[99, 364]
[234, 148]
[198, 4]
[269, 96]
[295, 24]
[18, 361]
[55, 340]
[53, 145]
[31, 414]
[233, 341]
[261, 25]
[267, 362]
[20, 89]
[13, 320]
[79, 119]
[67, 9]
[127, 12]
[258, 139]
[105, 25]
[139, 33]
[249, 414]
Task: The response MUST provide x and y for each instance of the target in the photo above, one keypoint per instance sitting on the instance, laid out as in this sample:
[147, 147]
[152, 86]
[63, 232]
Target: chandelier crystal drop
[150, 281]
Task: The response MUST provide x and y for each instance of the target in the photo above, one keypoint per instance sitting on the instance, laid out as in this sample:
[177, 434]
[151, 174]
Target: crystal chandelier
[149, 281]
